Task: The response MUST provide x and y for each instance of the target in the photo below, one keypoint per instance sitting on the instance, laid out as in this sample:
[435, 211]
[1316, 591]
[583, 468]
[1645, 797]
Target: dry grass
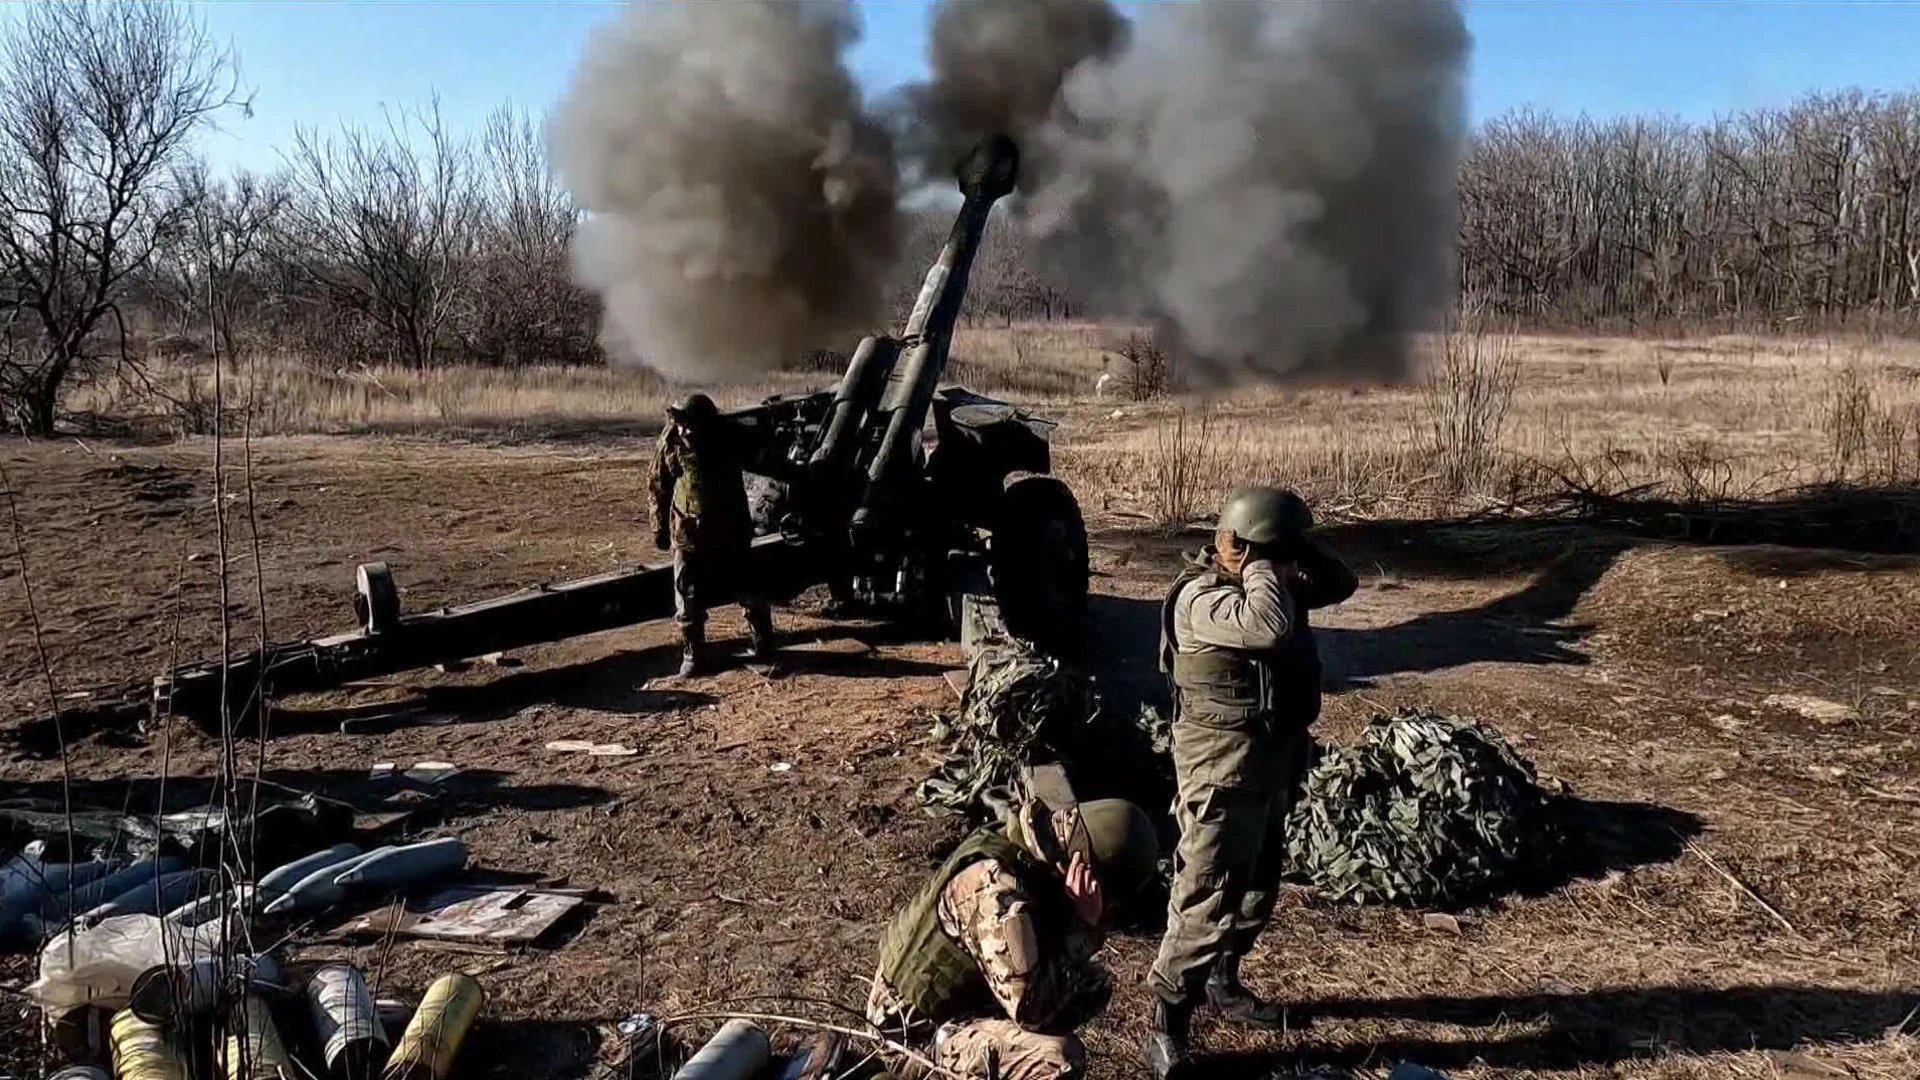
[291, 397]
[1494, 417]
[1732, 416]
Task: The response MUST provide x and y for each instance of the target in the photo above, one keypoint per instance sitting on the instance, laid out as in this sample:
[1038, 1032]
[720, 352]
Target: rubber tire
[1038, 560]
[376, 599]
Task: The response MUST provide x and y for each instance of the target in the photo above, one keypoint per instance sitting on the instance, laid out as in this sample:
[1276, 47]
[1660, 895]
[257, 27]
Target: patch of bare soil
[1745, 904]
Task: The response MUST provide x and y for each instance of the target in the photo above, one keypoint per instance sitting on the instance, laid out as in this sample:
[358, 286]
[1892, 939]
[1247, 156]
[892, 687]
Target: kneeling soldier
[993, 957]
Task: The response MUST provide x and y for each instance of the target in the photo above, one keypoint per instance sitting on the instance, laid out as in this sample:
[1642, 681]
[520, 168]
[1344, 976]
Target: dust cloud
[996, 68]
[1271, 183]
[740, 201]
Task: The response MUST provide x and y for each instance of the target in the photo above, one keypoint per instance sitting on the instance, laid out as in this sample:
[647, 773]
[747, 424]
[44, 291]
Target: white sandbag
[97, 965]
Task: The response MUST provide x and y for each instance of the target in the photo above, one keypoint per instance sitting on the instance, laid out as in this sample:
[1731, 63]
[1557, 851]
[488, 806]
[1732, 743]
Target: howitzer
[845, 493]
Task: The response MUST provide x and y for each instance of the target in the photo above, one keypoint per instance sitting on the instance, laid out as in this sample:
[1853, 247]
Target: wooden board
[469, 913]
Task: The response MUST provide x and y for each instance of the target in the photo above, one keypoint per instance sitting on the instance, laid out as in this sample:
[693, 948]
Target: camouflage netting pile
[1427, 810]
[1019, 708]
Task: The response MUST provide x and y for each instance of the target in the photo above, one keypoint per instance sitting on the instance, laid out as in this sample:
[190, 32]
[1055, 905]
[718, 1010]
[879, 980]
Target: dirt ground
[1750, 906]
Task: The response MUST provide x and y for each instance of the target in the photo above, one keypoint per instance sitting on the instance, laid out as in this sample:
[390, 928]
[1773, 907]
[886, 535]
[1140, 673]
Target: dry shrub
[1467, 393]
[1867, 439]
[1663, 365]
[1149, 368]
[1848, 414]
[1699, 470]
[820, 361]
[1192, 466]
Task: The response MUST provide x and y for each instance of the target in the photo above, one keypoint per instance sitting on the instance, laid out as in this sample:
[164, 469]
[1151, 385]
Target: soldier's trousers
[705, 578]
[1236, 786]
[964, 1047]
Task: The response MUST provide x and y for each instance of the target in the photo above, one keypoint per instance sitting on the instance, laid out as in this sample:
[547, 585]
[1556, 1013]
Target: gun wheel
[376, 599]
[1038, 559]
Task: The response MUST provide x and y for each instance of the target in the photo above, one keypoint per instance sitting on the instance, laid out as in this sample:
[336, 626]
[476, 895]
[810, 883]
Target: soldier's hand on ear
[1084, 889]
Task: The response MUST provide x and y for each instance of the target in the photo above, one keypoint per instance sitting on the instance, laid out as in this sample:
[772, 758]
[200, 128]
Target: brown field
[1750, 901]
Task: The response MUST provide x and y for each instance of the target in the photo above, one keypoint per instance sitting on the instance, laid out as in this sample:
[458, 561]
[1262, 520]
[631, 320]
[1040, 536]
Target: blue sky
[318, 62]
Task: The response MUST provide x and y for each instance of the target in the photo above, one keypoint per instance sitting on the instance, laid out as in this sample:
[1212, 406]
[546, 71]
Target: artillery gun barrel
[988, 173]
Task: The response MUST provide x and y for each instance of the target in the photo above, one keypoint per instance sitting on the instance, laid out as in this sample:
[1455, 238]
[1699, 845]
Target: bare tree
[1809, 214]
[216, 259]
[380, 232]
[102, 101]
[526, 307]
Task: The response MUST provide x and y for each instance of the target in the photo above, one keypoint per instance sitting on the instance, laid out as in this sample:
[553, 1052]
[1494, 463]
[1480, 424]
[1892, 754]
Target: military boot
[1226, 993]
[760, 634]
[1167, 1054]
[693, 650]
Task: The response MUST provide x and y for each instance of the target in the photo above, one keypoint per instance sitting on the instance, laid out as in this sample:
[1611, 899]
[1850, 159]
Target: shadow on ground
[1563, 555]
[617, 683]
[1604, 836]
[1577, 1030]
[514, 1049]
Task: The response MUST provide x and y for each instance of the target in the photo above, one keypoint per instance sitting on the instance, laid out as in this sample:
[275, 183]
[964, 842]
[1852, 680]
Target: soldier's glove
[661, 541]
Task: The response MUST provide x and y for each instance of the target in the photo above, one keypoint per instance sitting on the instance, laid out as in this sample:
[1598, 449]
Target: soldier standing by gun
[700, 512]
[1236, 642]
[1008, 925]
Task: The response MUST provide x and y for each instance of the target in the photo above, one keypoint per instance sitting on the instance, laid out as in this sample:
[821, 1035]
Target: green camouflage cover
[1427, 810]
[1018, 706]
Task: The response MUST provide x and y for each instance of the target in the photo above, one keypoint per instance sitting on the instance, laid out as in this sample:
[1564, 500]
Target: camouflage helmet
[1125, 848]
[1265, 515]
[693, 408]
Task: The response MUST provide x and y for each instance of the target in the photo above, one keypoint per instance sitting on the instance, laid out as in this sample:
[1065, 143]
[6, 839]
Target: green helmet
[1125, 848]
[693, 408]
[1265, 515]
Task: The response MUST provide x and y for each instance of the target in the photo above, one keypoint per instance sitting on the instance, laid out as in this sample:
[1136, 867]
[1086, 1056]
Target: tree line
[409, 243]
[1808, 213]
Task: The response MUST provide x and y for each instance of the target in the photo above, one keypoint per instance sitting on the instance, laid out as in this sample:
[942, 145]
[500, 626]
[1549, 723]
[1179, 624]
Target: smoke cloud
[997, 67]
[1272, 183]
[740, 201]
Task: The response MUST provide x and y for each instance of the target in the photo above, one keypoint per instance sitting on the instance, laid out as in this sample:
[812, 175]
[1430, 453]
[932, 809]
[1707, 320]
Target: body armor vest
[1231, 688]
[934, 975]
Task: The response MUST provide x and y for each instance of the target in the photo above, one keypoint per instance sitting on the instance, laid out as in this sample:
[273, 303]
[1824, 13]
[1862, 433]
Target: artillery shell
[738, 1051]
[54, 909]
[426, 1049]
[142, 1051]
[398, 867]
[344, 1020]
[254, 1048]
[55, 877]
[19, 874]
[316, 890]
[206, 908]
[282, 878]
[155, 895]
[37, 884]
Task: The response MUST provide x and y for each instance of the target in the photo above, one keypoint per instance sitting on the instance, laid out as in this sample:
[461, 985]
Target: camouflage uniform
[700, 503]
[1043, 985]
[1247, 686]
